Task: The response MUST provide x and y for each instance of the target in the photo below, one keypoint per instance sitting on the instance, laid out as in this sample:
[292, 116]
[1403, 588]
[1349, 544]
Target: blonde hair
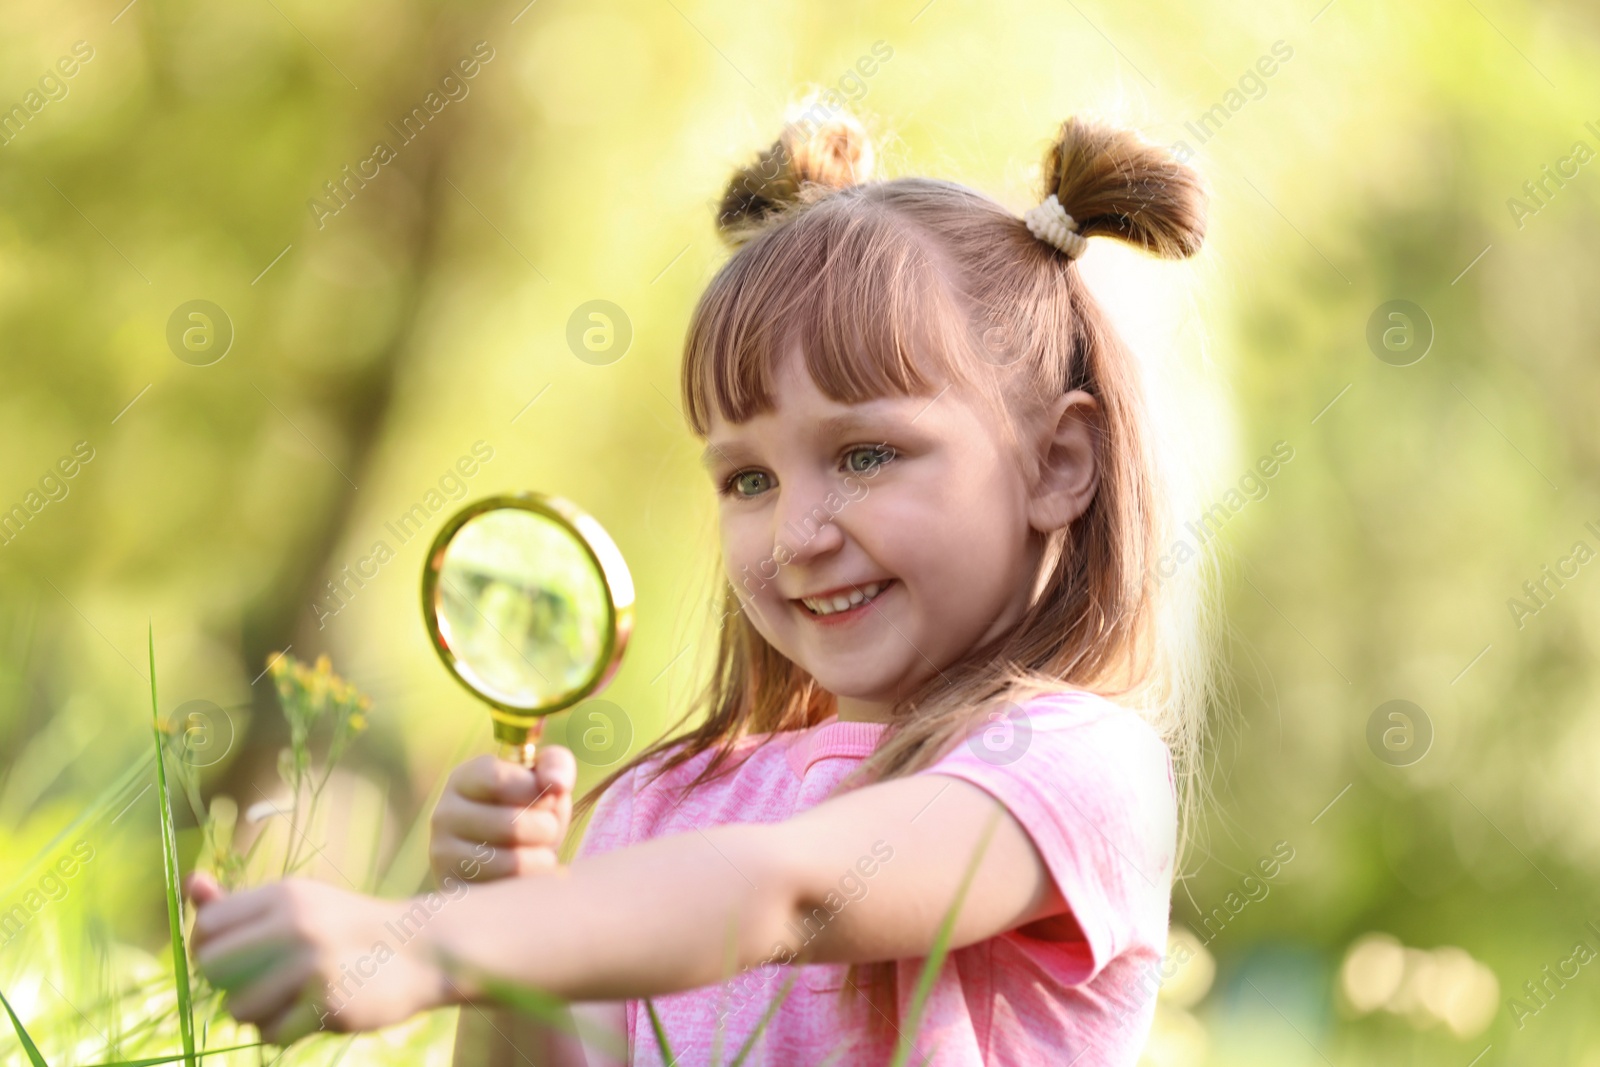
[888, 286]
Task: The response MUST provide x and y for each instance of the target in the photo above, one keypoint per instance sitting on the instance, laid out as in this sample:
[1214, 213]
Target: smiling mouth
[822, 607]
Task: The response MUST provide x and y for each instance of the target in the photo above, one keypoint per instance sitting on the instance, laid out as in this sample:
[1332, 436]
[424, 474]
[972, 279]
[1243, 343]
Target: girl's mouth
[844, 607]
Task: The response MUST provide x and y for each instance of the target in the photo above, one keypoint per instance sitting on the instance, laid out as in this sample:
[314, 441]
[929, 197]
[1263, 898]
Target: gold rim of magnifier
[610, 565]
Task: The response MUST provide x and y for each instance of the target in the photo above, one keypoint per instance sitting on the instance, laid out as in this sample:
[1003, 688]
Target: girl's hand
[496, 819]
[299, 956]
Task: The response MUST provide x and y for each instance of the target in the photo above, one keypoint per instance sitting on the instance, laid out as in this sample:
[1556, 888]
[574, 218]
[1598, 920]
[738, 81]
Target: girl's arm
[865, 876]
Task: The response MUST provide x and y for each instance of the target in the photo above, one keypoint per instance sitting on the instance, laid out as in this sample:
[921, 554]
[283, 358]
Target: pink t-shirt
[1089, 780]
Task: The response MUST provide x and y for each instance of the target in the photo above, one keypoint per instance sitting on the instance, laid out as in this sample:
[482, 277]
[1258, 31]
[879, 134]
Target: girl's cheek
[748, 559]
[734, 545]
[739, 537]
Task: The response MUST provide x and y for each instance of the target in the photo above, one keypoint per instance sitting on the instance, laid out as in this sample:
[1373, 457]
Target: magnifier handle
[516, 743]
[520, 754]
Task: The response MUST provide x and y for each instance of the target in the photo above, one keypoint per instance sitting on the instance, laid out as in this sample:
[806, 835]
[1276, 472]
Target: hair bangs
[858, 293]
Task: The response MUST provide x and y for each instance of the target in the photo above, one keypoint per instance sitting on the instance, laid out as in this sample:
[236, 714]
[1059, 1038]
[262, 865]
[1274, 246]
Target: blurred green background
[1426, 153]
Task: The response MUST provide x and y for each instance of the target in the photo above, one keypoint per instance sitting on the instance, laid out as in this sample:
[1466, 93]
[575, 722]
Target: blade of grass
[667, 1055]
[772, 1009]
[118, 1005]
[408, 867]
[541, 1006]
[369, 883]
[22, 1035]
[97, 807]
[126, 1035]
[833, 1057]
[169, 857]
[941, 948]
[552, 1011]
[175, 1057]
[730, 960]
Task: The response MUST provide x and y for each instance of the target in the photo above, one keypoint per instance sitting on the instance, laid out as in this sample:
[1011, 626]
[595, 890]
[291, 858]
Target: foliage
[370, 351]
[311, 698]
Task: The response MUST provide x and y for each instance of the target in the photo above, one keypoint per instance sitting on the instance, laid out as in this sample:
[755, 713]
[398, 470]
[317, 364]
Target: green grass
[129, 1014]
[169, 858]
[36, 1058]
[180, 963]
[766, 1017]
[134, 1014]
[22, 1035]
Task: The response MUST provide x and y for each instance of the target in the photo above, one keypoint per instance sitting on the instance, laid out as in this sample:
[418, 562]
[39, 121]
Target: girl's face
[911, 514]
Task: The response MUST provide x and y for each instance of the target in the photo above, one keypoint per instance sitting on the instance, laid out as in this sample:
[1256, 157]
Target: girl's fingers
[220, 914]
[533, 861]
[556, 772]
[496, 824]
[494, 781]
[242, 956]
[465, 861]
[266, 999]
[202, 888]
[451, 856]
[521, 815]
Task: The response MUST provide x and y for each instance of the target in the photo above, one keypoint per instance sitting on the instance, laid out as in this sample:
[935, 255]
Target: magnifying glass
[529, 604]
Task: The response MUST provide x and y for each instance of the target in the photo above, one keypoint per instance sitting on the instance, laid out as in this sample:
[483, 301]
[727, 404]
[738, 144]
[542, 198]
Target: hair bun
[1112, 182]
[809, 159]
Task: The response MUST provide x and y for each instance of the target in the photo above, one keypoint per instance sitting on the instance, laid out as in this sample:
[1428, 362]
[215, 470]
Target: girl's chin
[874, 686]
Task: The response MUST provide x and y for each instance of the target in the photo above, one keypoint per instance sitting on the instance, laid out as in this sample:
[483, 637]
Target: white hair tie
[1049, 222]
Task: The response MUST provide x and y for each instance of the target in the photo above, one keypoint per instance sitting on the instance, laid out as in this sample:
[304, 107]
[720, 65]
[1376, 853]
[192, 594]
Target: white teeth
[841, 602]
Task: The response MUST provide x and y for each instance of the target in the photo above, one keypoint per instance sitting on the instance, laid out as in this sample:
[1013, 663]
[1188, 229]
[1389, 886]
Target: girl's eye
[875, 456]
[744, 484]
[863, 459]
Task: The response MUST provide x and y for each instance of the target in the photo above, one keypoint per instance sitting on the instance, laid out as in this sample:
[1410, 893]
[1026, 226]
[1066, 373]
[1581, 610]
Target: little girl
[946, 682]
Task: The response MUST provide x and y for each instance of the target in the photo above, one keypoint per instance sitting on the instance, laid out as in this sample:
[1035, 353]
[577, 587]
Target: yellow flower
[322, 679]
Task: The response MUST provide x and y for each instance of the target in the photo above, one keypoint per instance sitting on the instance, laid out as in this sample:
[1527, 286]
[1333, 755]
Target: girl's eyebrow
[850, 421]
[712, 453]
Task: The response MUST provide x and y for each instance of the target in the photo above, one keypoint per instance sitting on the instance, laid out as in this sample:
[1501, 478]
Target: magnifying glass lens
[522, 607]
[529, 604]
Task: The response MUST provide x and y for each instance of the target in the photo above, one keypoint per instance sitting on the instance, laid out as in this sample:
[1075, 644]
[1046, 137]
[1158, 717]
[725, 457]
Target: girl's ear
[1066, 473]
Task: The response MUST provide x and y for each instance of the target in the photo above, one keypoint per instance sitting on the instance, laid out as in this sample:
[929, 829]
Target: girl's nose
[806, 527]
